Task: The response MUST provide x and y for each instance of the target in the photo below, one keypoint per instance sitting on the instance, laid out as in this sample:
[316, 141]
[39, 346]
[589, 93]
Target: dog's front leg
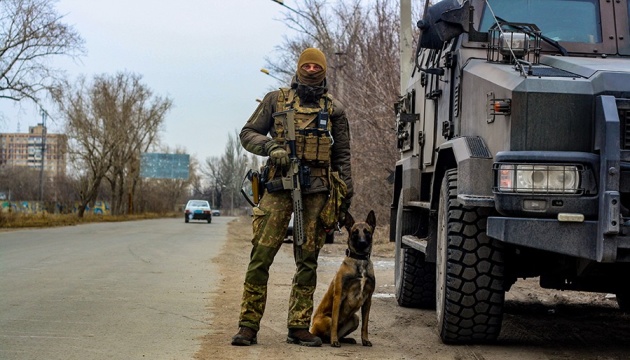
[336, 308]
[365, 319]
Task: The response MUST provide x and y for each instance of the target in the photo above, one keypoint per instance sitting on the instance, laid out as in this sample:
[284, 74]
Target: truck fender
[473, 160]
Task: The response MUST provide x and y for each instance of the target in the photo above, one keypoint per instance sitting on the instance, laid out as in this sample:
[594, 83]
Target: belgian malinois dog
[350, 290]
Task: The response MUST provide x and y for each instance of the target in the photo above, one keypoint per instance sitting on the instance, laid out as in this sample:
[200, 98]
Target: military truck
[513, 127]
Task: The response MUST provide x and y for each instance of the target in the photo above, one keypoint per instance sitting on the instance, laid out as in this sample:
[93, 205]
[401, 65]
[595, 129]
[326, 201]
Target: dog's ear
[348, 222]
[371, 219]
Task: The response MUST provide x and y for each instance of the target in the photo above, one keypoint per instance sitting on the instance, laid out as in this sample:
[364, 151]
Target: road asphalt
[125, 290]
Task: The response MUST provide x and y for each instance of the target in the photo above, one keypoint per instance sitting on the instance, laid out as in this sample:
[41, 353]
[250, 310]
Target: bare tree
[135, 115]
[109, 122]
[63, 194]
[370, 79]
[160, 195]
[212, 171]
[19, 183]
[90, 145]
[31, 34]
[226, 173]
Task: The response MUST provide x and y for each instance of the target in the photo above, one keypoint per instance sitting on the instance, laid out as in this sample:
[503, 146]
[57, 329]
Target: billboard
[164, 166]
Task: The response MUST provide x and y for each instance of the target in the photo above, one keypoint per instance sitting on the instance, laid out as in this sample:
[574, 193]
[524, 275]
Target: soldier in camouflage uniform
[261, 136]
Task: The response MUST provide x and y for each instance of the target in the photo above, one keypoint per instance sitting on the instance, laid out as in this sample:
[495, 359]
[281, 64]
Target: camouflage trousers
[270, 222]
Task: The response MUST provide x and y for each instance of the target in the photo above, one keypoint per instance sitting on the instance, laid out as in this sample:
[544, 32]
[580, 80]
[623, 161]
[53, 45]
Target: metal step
[419, 204]
[415, 242]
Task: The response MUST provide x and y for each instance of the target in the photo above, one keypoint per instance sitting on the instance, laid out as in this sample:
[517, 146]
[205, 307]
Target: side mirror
[443, 22]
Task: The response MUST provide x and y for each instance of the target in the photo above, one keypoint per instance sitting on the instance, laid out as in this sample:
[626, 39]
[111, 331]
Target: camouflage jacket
[259, 129]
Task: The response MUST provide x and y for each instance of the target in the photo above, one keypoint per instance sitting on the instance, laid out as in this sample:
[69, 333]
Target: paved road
[130, 290]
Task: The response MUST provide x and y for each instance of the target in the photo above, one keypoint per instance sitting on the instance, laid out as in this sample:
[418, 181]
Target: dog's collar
[354, 255]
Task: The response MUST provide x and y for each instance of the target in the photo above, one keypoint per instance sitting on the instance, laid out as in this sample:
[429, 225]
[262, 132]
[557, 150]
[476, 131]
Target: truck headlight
[538, 178]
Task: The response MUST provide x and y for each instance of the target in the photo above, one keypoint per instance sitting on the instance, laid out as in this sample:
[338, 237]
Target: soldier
[328, 155]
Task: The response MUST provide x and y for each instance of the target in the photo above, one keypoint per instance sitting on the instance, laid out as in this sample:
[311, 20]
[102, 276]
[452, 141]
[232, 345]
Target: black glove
[277, 154]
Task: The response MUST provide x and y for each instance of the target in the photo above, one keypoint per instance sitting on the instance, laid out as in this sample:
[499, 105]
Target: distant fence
[38, 207]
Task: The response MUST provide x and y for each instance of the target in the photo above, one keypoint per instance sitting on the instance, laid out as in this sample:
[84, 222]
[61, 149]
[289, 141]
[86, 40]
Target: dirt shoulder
[538, 324]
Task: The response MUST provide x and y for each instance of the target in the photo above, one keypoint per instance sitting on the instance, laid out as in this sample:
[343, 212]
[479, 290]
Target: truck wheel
[415, 278]
[469, 266]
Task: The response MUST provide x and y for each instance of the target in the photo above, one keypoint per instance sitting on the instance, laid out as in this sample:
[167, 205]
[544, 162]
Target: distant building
[21, 149]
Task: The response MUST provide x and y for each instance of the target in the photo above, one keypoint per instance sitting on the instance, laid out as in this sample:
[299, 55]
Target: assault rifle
[294, 178]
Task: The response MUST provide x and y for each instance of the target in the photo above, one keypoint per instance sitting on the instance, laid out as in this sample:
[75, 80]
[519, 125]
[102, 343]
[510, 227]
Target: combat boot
[245, 337]
[303, 337]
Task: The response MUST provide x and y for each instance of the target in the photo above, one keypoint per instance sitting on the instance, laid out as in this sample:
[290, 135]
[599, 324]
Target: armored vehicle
[513, 127]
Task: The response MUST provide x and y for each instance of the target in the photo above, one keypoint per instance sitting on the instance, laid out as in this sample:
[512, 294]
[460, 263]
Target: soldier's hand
[279, 157]
[277, 154]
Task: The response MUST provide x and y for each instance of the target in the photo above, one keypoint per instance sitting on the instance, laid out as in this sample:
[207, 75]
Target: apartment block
[19, 149]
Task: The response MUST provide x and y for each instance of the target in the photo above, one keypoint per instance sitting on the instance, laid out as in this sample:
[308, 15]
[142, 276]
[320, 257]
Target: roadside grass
[43, 220]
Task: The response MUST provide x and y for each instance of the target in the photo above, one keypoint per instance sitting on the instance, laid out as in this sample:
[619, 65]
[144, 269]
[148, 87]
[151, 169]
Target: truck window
[561, 20]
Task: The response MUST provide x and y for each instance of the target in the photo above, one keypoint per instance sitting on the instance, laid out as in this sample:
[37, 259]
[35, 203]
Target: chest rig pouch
[313, 140]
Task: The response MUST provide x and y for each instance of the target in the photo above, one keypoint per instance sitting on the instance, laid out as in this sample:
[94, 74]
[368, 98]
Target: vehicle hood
[587, 67]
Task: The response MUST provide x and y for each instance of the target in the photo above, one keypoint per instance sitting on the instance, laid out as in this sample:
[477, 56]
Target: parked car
[198, 210]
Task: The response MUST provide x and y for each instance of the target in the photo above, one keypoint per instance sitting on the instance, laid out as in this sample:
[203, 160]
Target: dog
[350, 290]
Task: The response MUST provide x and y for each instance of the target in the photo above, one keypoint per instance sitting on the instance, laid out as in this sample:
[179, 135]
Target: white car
[198, 210]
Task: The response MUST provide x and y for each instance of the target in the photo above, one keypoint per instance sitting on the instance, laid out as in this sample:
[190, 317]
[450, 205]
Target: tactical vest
[313, 127]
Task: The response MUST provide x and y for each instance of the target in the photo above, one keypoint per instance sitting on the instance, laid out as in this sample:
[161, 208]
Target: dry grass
[21, 221]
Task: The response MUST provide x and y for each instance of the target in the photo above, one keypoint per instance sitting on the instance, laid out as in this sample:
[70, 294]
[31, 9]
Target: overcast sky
[205, 55]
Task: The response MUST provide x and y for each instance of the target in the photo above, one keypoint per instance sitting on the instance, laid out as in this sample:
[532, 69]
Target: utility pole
[43, 151]
[406, 43]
